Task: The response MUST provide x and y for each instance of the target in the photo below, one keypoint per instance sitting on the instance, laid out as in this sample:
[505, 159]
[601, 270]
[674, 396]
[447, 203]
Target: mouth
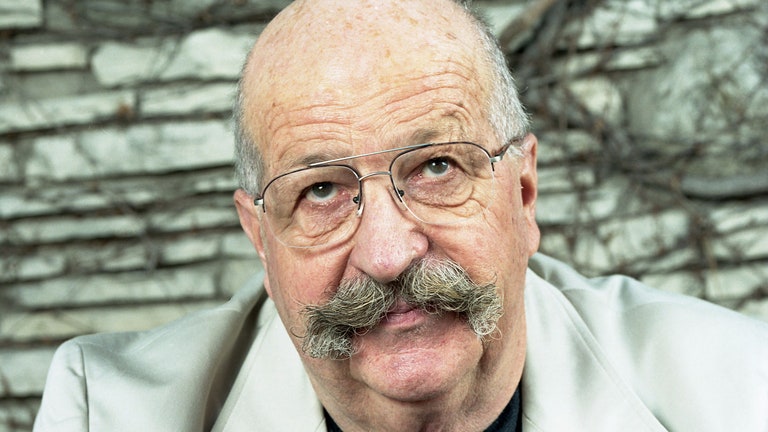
[401, 314]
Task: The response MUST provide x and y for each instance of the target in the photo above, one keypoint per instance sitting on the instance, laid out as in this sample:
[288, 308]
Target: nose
[387, 240]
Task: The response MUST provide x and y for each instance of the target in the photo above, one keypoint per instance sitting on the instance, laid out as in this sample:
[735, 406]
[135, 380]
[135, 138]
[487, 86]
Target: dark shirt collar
[510, 419]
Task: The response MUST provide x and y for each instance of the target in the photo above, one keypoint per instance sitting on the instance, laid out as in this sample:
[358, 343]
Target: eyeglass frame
[497, 157]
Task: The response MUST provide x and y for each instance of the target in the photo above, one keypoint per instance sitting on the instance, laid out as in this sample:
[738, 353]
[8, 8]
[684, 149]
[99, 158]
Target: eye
[321, 192]
[436, 167]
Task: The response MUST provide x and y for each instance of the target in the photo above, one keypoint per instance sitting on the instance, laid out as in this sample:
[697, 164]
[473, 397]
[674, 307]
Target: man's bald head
[341, 51]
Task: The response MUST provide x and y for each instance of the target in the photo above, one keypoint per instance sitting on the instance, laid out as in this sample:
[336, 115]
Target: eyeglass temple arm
[500, 155]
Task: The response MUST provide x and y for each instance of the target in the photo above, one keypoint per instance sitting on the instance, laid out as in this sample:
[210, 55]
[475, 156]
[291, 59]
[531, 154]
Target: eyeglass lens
[438, 184]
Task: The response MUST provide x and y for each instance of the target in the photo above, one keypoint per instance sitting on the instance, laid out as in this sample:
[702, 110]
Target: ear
[529, 191]
[247, 211]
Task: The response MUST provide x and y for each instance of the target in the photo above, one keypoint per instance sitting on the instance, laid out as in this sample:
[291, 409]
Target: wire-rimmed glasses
[439, 184]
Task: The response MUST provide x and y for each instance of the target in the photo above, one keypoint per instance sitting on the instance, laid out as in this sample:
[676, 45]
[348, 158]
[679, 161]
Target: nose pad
[395, 193]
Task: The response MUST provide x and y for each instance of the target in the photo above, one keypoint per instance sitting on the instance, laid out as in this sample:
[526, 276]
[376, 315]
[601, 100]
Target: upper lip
[400, 307]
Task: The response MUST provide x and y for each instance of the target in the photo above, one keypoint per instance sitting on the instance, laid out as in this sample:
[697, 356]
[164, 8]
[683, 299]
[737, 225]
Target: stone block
[637, 244]
[736, 282]
[600, 97]
[57, 157]
[190, 248]
[49, 56]
[60, 229]
[557, 245]
[565, 178]
[610, 198]
[740, 230]
[161, 148]
[747, 182]
[591, 256]
[37, 200]
[73, 110]
[612, 23]
[209, 54]
[16, 204]
[187, 99]
[23, 371]
[697, 9]
[139, 149]
[681, 282]
[216, 10]
[558, 146]
[19, 267]
[223, 182]
[204, 54]
[105, 256]
[644, 236]
[21, 14]
[190, 219]
[745, 245]
[119, 288]
[115, 63]
[619, 59]
[43, 86]
[9, 171]
[236, 244]
[668, 261]
[116, 194]
[711, 73]
[738, 216]
[113, 256]
[558, 208]
[26, 327]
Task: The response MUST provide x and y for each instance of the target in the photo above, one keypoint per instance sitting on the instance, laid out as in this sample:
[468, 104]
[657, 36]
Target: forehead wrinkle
[327, 139]
[320, 116]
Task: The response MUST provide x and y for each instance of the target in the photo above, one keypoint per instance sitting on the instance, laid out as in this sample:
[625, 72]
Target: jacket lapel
[272, 391]
[568, 382]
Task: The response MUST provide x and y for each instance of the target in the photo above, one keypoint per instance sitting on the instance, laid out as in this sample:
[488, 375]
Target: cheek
[492, 247]
[299, 278]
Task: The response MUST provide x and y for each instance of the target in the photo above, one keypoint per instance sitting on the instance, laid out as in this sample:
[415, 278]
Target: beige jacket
[603, 355]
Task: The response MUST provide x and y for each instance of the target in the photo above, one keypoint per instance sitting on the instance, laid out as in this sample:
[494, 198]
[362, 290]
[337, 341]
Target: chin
[427, 359]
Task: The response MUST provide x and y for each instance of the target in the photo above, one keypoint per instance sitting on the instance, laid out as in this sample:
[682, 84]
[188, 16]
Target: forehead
[371, 77]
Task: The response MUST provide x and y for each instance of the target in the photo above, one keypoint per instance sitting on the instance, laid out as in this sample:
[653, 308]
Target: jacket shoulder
[173, 374]
[691, 362]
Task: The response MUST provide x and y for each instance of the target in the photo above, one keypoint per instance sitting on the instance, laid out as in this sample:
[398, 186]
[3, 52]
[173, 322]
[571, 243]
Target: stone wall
[115, 153]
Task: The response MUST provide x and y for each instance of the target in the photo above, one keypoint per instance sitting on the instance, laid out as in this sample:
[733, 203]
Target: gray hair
[506, 113]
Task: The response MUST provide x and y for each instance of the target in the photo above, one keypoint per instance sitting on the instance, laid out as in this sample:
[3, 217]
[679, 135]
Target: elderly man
[388, 183]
